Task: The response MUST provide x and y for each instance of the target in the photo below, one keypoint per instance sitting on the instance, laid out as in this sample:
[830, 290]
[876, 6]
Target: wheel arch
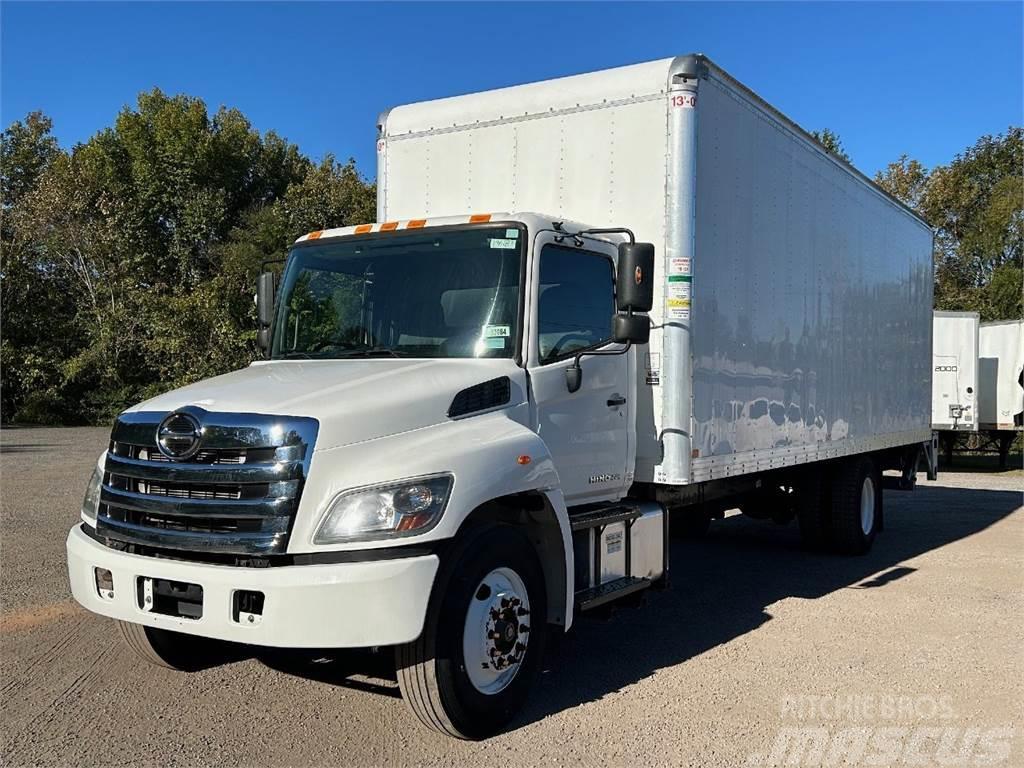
[542, 516]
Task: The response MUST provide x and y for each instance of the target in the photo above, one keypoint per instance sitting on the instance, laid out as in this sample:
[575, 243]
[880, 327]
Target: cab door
[572, 302]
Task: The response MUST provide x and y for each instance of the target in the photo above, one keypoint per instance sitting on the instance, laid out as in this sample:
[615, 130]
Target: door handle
[616, 400]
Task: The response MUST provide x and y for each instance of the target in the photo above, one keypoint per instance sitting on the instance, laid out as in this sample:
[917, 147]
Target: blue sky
[922, 78]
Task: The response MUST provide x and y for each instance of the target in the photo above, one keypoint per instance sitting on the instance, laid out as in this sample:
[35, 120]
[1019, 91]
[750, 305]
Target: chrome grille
[237, 494]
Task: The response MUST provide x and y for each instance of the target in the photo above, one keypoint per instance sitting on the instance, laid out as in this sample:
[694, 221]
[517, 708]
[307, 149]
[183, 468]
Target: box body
[793, 321]
[1001, 375]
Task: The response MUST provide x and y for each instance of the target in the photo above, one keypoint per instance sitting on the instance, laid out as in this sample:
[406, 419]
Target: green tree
[129, 262]
[906, 180]
[831, 142]
[976, 207]
[36, 307]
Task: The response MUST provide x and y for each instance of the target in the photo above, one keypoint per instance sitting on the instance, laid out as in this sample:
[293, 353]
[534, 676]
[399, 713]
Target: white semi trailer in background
[1001, 382]
[471, 426]
[954, 376]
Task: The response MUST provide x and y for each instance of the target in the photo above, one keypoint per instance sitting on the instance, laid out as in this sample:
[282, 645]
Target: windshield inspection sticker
[512, 233]
[496, 331]
[502, 242]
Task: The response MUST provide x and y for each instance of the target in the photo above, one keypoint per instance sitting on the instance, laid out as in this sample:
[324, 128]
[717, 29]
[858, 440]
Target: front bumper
[345, 605]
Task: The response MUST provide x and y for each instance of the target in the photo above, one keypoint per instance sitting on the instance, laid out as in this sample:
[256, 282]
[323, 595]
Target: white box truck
[1001, 382]
[955, 372]
[472, 425]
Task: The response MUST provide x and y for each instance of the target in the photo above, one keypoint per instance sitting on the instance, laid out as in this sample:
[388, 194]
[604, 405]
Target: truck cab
[398, 470]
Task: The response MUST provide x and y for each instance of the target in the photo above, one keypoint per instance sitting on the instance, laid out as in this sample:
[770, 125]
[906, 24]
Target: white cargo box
[1001, 374]
[793, 322]
[955, 371]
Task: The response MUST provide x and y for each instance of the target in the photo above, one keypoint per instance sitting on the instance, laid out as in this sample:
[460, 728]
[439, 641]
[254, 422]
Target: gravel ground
[757, 645]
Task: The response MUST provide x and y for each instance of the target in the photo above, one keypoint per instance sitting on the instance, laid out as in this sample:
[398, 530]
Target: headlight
[399, 509]
[91, 502]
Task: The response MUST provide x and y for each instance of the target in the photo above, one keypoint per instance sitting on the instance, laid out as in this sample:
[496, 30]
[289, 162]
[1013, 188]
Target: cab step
[602, 516]
[595, 597]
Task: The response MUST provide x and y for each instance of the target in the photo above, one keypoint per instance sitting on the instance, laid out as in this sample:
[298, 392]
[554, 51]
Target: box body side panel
[1001, 375]
[955, 385]
[812, 300]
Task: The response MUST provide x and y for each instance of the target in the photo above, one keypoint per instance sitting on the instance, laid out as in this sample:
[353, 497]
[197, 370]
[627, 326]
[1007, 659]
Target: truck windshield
[453, 293]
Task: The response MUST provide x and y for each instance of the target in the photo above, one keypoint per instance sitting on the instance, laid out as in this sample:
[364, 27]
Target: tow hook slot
[170, 598]
[247, 607]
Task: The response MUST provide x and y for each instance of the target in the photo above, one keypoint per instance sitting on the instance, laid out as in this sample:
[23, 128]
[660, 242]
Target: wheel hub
[495, 637]
[867, 506]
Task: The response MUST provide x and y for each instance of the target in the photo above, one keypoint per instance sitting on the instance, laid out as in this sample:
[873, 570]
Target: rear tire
[856, 505]
[173, 650]
[486, 566]
[814, 511]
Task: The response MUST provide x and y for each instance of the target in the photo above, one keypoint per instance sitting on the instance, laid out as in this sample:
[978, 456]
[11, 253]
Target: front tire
[487, 611]
[172, 650]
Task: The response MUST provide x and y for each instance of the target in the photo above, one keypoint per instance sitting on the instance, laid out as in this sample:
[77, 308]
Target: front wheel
[173, 650]
[480, 651]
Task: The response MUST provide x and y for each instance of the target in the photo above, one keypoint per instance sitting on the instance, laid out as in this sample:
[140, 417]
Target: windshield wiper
[372, 352]
[295, 356]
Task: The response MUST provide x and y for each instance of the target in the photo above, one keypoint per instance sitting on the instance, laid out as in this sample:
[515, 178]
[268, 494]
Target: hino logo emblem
[178, 436]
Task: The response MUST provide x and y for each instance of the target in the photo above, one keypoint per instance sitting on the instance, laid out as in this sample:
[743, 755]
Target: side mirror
[631, 329]
[634, 278]
[265, 288]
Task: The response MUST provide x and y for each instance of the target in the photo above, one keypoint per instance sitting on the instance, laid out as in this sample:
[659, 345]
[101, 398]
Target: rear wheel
[480, 651]
[173, 650]
[856, 505]
[814, 510]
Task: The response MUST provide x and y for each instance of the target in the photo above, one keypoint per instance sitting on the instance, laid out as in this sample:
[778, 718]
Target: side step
[603, 516]
[586, 599]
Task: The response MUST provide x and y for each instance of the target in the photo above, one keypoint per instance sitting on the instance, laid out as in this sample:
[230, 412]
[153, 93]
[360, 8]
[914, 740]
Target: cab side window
[577, 301]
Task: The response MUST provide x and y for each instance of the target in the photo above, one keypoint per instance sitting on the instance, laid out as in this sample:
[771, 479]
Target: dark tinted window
[577, 301]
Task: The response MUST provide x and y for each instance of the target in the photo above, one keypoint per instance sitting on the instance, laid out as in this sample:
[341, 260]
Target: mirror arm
[574, 373]
[609, 231]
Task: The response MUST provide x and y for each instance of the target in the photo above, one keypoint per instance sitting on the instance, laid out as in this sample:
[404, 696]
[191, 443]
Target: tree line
[127, 263]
